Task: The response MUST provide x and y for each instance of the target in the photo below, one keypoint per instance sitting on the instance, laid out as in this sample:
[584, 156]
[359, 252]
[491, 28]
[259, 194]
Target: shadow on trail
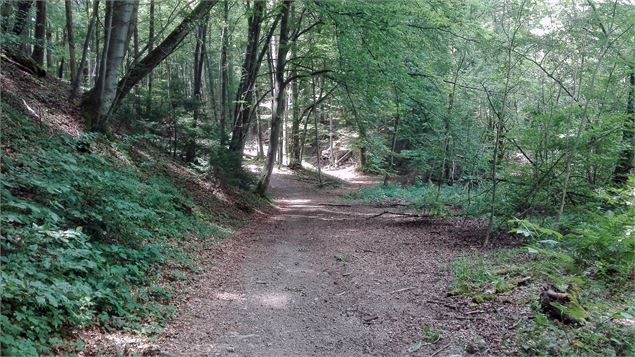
[319, 278]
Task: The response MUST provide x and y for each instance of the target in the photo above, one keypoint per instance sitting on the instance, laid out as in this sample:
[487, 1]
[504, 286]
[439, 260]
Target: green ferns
[83, 237]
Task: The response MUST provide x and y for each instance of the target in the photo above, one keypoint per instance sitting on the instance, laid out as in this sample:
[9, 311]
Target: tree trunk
[190, 152]
[295, 159]
[70, 37]
[331, 144]
[21, 16]
[626, 162]
[50, 65]
[210, 87]
[318, 156]
[261, 150]
[140, 69]
[82, 62]
[60, 70]
[6, 9]
[40, 33]
[393, 142]
[98, 105]
[249, 72]
[250, 68]
[97, 69]
[150, 48]
[224, 75]
[277, 112]
[363, 152]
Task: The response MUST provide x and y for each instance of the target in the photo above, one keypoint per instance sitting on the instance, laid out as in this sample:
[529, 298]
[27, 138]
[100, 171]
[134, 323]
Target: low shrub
[83, 236]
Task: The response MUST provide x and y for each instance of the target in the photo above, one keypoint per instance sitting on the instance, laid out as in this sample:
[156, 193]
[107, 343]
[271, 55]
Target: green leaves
[82, 238]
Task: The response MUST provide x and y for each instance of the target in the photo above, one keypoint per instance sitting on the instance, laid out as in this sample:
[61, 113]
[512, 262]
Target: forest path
[316, 279]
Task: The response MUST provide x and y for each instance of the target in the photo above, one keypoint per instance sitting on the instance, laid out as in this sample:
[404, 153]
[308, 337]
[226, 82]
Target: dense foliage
[517, 112]
[84, 236]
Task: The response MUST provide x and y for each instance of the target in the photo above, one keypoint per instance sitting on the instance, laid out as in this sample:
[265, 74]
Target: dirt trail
[315, 279]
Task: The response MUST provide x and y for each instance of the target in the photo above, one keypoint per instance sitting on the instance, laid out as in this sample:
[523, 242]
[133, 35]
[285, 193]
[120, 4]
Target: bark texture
[278, 89]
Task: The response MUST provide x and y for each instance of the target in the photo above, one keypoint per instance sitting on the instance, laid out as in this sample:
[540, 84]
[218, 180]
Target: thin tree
[150, 48]
[190, 151]
[250, 68]
[278, 89]
[70, 37]
[224, 74]
[82, 62]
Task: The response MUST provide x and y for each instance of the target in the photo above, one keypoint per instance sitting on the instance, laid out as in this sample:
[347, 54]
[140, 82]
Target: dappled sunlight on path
[324, 277]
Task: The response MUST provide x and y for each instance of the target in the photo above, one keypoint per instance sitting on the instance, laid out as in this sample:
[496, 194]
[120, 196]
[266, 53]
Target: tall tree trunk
[6, 9]
[71, 39]
[190, 152]
[393, 141]
[150, 48]
[295, 159]
[256, 109]
[144, 66]
[249, 72]
[82, 62]
[98, 104]
[224, 75]
[361, 128]
[331, 144]
[21, 16]
[626, 162]
[40, 32]
[318, 155]
[210, 86]
[60, 70]
[97, 69]
[50, 65]
[279, 84]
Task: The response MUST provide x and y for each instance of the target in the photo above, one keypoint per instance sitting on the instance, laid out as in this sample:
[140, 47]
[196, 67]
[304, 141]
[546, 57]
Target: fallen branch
[344, 157]
[399, 214]
[440, 350]
[454, 307]
[402, 290]
[467, 318]
[333, 205]
[23, 62]
[474, 312]
[368, 320]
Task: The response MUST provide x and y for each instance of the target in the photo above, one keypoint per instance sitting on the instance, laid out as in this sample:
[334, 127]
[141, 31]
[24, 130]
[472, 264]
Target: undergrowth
[83, 236]
[590, 253]
[593, 261]
[440, 201]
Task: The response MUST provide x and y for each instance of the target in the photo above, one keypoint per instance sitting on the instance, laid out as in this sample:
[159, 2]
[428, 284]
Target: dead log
[400, 214]
[344, 157]
[23, 62]
[562, 306]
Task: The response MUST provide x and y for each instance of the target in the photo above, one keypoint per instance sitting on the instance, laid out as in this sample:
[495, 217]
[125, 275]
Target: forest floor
[323, 277]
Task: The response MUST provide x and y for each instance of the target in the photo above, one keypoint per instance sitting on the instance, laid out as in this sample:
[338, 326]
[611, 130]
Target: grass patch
[433, 200]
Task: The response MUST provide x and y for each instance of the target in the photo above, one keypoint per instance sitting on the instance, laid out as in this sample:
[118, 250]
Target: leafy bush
[600, 243]
[83, 236]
